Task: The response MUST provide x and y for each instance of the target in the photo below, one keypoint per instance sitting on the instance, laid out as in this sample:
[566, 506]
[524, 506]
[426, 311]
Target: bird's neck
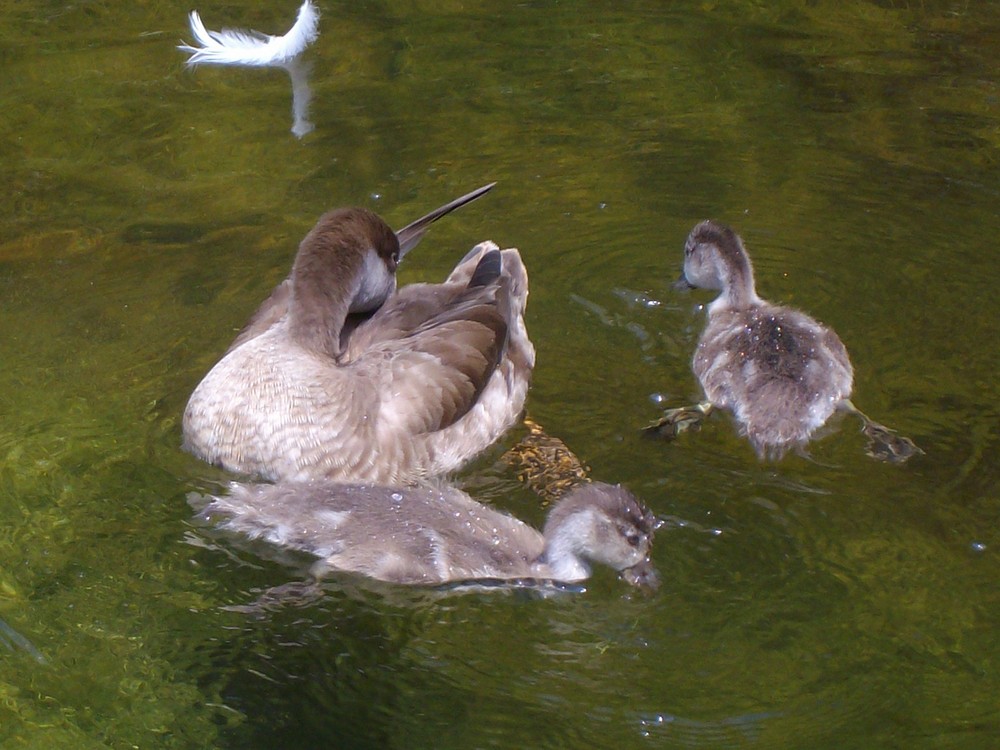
[321, 300]
[738, 290]
[563, 553]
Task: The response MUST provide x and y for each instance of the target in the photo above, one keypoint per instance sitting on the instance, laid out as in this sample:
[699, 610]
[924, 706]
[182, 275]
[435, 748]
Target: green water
[146, 209]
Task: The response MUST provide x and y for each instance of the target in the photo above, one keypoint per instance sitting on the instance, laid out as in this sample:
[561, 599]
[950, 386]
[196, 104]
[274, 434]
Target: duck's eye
[633, 538]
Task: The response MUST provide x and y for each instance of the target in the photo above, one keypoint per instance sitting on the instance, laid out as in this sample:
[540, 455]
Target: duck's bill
[412, 233]
[642, 576]
[682, 284]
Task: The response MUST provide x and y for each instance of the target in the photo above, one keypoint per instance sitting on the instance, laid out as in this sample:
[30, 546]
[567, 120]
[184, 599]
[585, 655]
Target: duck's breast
[272, 409]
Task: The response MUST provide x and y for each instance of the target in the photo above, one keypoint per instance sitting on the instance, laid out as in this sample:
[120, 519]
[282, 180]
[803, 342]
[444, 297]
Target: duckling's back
[401, 535]
[780, 372]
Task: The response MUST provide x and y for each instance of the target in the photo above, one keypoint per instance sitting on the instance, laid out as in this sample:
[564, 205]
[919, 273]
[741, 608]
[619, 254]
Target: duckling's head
[714, 258]
[599, 522]
[346, 264]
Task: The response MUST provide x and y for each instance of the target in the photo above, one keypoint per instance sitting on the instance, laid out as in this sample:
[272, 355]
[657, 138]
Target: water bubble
[396, 496]
[978, 546]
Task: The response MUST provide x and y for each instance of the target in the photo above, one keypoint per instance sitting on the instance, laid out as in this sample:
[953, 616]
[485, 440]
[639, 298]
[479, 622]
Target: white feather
[237, 47]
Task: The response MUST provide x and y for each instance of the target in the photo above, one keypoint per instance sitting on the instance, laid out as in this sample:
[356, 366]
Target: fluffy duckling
[428, 536]
[340, 376]
[780, 372]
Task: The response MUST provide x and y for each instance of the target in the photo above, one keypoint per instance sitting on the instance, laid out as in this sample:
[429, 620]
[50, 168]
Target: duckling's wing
[270, 312]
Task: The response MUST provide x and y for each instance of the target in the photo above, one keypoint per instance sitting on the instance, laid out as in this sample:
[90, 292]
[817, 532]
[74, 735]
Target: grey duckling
[781, 373]
[430, 536]
[340, 376]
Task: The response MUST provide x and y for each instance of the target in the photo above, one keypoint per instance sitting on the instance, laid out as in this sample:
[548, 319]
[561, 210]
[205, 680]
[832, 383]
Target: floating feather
[237, 47]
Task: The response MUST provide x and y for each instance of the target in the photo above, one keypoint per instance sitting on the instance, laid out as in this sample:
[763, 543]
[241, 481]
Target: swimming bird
[781, 373]
[340, 376]
[429, 536]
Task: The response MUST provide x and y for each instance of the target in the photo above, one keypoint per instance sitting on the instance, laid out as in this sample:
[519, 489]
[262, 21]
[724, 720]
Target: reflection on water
[298, 72]
[815, 603]
[14, 640]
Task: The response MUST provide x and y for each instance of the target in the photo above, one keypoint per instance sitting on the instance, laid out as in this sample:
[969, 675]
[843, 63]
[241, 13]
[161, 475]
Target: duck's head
[347, 265]
[599, 522]
[714, 258]
[350, 255]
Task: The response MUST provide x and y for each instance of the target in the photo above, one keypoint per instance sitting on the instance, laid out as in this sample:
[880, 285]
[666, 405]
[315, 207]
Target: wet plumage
[779, 372]
[425, 535]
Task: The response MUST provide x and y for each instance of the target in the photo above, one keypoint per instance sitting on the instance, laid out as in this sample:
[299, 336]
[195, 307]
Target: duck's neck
[563, 544]
[321, 300]
[736, 276]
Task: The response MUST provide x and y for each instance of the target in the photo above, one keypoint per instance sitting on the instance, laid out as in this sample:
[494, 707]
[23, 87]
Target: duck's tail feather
[487, 270]
[238, 47]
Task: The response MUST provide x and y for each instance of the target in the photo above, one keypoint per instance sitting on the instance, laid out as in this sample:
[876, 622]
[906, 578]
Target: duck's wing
[270, 312]
[435, 347]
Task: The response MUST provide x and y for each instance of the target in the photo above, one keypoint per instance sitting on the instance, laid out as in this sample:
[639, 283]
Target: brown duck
[340, 376]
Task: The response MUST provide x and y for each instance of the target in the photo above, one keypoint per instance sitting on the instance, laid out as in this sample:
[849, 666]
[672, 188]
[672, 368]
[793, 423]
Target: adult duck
[340, 376]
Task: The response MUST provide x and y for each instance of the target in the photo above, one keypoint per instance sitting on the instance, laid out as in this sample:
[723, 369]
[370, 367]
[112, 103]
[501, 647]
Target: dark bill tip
[682, 284]
[413, 232]
[642, 576]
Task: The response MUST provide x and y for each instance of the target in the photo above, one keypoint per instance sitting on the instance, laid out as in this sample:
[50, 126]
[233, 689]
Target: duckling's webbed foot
[294, 594]
[885, 445]
[679, 420]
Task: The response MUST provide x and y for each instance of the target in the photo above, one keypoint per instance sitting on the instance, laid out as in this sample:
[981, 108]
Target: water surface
[146, 209]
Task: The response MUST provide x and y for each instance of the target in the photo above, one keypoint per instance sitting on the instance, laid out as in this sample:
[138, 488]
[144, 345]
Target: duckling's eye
[633, 538]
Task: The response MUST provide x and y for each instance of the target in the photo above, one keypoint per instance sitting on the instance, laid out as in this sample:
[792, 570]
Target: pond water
[146, 209]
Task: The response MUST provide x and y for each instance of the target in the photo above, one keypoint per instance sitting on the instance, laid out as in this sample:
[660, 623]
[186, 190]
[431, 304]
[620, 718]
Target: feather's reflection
[299, 72]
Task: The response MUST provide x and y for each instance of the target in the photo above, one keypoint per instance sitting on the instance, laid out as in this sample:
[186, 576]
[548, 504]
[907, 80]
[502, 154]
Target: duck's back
[779, 371]
[406, 535]
[461, 358]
